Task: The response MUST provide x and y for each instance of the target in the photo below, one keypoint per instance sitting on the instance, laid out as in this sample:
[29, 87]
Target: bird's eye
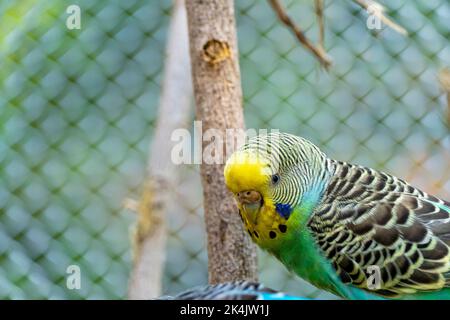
[275, 178]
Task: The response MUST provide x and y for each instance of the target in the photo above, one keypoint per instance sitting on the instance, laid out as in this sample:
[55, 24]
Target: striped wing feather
[238, 290]
[369, 218]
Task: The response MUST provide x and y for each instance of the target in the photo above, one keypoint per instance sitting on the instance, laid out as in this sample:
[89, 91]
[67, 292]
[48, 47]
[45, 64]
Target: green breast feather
[298, 251]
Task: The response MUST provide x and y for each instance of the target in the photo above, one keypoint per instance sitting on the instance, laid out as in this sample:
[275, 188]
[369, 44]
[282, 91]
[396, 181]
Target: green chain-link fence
[78, 108]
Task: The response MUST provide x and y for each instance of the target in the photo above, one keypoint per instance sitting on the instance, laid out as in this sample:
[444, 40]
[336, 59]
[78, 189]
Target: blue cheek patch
[284, 210]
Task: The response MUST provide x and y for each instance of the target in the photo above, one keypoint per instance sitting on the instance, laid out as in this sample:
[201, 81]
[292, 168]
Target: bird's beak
[251, 202]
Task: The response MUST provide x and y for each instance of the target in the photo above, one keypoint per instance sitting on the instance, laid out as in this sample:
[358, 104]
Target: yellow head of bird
[247, 176]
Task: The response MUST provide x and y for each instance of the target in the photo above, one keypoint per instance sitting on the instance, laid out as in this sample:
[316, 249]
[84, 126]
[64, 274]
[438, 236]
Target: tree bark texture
[218, 97]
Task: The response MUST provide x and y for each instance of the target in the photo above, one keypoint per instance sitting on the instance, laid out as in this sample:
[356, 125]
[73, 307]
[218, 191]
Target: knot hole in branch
[216, 51]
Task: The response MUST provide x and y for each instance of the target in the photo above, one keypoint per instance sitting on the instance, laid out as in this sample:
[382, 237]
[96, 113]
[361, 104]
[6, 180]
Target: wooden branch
[318, 52]
[174, 112]
[376, 9]
[320, 21]
[444, 79]
[218, 96]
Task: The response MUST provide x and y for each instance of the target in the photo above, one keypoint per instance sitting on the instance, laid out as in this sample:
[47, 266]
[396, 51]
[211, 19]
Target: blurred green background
[78, 108]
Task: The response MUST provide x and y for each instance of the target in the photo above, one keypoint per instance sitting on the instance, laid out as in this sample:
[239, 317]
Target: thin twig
[318, 52]
[320, 20]
[444, 79]
[377, 10]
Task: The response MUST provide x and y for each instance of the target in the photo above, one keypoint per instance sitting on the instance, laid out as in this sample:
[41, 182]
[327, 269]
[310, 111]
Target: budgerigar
[347, 229]
[238, 290]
